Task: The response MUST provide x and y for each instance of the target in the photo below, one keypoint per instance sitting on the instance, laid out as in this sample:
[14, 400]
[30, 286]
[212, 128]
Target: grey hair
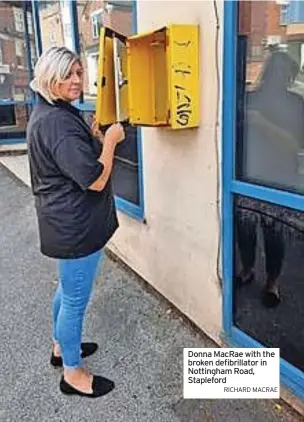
[51, 68]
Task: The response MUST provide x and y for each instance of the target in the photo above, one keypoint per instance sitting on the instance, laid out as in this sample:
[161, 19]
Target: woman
[275, 133]
[70, 174]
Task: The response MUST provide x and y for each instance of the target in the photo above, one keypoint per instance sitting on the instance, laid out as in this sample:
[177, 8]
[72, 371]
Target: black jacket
[63, 155]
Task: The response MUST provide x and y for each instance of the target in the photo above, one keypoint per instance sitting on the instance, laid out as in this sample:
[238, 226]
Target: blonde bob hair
[52, 67]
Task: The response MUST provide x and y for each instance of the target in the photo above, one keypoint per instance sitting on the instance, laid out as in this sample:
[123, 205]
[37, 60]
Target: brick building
[14, 76]
[261, 22]
[269, 24]
[50, 21]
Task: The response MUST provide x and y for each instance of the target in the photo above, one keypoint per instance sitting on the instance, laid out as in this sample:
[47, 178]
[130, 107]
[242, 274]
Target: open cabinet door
[105, 103]
[183, 67]
[112, 88]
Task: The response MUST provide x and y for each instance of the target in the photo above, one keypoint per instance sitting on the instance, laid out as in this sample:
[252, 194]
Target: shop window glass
[268, 276]
[270, 98]
[16, 37]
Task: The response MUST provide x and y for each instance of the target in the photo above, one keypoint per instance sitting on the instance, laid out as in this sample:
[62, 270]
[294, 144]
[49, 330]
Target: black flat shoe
[87, 349]
[242, 281]
[271, 299]
[100, 386]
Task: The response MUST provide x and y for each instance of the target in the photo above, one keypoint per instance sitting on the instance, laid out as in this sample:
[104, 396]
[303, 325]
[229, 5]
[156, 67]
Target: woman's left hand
[96, 131]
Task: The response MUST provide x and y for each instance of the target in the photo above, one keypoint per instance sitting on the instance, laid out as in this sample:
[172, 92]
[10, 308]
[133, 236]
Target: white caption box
[231, 373]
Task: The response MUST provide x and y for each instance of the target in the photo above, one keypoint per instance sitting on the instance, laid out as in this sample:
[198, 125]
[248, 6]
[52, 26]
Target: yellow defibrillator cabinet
[149, 79]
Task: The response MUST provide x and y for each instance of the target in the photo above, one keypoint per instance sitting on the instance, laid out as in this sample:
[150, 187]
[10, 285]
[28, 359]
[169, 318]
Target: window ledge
[134, 211]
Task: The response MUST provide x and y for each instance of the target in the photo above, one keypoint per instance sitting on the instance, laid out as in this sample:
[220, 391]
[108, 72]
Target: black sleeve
[74, 154]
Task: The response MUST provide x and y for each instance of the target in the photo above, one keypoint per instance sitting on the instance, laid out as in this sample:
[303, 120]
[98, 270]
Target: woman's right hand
[115, 133]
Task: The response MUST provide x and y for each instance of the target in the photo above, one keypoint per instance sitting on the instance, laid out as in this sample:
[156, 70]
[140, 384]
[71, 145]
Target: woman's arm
[114, 135]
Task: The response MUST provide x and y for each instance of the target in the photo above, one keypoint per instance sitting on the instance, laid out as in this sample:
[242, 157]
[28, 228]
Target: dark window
[7, 115]
[125, 174]
[268, 276]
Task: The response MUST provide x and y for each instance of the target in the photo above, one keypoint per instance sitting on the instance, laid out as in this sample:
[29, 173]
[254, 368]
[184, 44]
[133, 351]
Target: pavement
[141, 340]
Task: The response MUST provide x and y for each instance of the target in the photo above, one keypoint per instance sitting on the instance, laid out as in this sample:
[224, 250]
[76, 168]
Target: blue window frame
[130, 201]
[291, 377]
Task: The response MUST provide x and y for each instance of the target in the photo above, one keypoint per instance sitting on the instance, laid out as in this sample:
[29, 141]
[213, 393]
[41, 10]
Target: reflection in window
[284, 13]
[51, 24]
[269, 276]
[52, 39]
[97, 22]
[1, 53]
[270, 123]
[33, 54]
[29, 23]
[91, 16]
[19, 19]
[16, 36]
[14, 67]
[19, 49]
[13, 120]
[292, 11]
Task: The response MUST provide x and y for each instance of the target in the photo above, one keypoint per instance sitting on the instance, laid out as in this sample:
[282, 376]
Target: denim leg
[274, 248]
[246, 236]
[55, 309]
[77, 279]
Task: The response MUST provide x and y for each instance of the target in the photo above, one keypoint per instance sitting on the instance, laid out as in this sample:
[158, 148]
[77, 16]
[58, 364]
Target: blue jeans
[75, 286]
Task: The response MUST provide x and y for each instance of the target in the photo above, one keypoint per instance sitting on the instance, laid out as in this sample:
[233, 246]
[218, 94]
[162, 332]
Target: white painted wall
[176, 250]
